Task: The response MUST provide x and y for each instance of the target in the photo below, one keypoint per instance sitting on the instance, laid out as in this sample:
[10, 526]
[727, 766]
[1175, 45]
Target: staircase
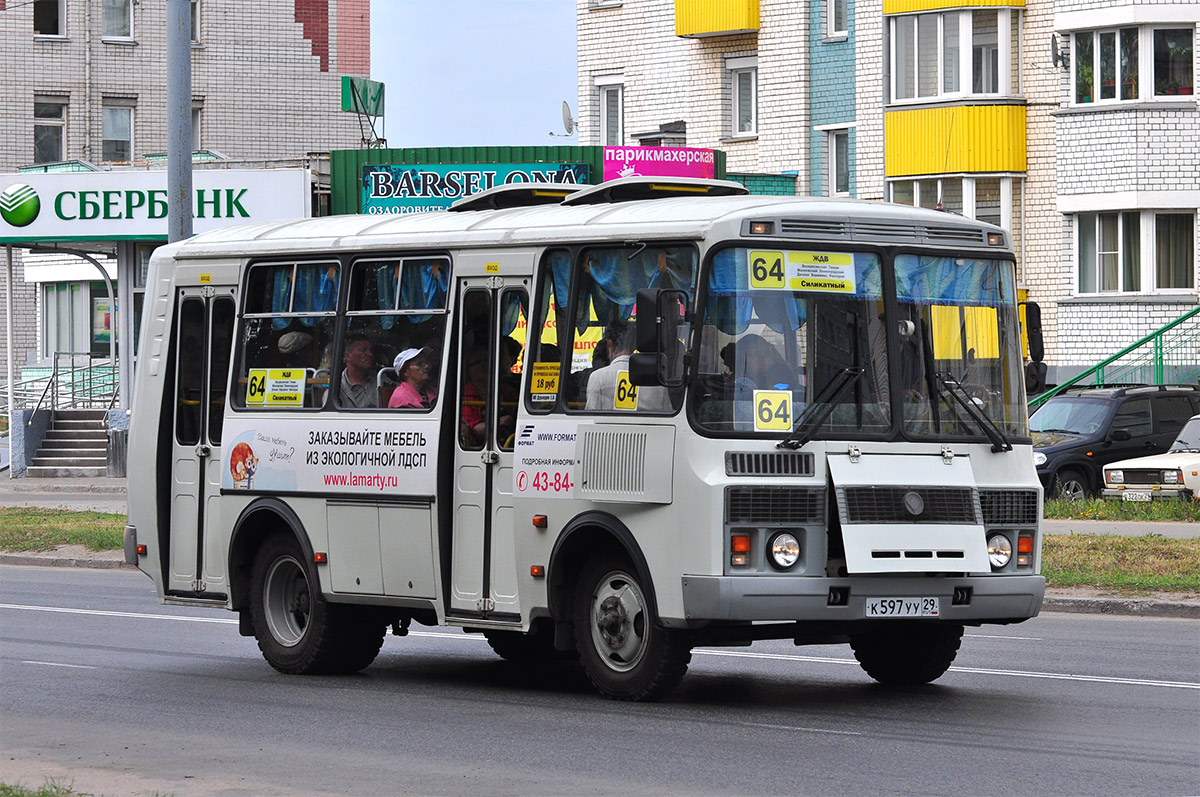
[76, 444]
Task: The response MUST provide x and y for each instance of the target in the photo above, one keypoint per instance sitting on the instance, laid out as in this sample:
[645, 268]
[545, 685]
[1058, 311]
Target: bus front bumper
[980, 599]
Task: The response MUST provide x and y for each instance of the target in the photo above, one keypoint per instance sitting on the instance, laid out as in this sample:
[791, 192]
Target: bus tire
[298, 632]
[908, 654]
[625, 653]
[527, 648]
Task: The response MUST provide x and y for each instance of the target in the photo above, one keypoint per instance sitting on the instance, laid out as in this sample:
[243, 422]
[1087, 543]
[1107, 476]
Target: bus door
[203, 343]
[491, 318]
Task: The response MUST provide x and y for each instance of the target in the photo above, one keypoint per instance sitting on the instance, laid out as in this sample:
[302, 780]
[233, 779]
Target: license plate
[902, 607]
[1136, 495]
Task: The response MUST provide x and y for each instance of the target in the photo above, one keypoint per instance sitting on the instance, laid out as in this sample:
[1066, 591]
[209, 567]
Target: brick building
[938, 103]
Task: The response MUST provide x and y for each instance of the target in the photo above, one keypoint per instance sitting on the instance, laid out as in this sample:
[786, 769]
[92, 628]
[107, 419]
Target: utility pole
[179, 120]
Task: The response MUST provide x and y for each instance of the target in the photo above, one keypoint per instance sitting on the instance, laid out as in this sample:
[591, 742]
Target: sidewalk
[102, 494]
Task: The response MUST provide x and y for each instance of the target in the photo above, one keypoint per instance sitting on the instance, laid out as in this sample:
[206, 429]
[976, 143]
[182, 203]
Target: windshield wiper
[821, 408]
[1056, 431]
[956, 391]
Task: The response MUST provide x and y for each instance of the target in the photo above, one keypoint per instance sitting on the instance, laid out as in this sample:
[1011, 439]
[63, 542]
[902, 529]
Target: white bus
[615, 422]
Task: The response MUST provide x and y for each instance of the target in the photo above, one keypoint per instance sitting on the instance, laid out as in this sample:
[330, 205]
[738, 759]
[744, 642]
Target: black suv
[1081, 430]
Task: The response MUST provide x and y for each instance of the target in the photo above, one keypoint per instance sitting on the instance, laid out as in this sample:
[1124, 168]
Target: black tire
[625, 653]
[298, 632]
[1071, 485]
[908, 654]
[536, 646]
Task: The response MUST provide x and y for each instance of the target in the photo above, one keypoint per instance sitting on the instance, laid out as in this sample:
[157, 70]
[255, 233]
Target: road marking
[1102, 679]
[796, 728]
[1003, 636]
[60, 664]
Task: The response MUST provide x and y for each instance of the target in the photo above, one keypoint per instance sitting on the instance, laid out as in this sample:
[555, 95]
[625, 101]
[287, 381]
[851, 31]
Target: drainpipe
[87, 82]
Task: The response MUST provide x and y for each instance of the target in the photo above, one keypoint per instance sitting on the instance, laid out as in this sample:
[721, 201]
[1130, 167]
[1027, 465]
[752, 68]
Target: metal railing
[1170, 355]
[75, 380]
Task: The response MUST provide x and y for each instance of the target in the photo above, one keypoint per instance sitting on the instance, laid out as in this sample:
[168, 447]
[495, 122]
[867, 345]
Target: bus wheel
[297, 631]
[514, 646]
[625, 654]
[907, 655]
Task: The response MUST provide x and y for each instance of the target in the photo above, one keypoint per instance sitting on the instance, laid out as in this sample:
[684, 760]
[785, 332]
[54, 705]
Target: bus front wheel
[626, 655]
[907, 655]
[297, 631]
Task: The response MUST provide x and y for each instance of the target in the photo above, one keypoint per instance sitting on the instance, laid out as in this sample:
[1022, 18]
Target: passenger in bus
[510, 387]
[621, 340]
[357, 386]
[759, 362]
[474, 405]
[415, 371]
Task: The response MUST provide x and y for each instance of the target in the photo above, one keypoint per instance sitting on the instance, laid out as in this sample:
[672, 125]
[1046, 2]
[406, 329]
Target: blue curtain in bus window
[511, 311]
[730, 307]
[316, 290]
[782, 311]
[668, 268]
[281, 294]
[947, 280]
[613, 284]
[386, 278]
[423, 286]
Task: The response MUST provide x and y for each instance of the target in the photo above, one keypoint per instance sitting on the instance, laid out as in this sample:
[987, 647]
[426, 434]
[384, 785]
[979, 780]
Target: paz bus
[613, 422]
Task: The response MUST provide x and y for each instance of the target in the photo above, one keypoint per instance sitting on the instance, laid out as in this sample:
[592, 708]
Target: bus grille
[612, 462]
[1009, 507]
[758, 505]
[951, 505]
[782, 463]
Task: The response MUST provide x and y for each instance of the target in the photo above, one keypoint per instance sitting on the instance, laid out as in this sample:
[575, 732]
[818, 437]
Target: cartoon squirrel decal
[242, 464]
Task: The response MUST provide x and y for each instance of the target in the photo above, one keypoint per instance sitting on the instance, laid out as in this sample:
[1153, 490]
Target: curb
[62, 561]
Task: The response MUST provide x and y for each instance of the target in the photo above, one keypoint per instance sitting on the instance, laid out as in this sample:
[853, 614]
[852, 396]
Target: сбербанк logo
[19, 205]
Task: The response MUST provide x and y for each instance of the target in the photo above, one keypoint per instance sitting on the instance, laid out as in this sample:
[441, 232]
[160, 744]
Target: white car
[1158, 477]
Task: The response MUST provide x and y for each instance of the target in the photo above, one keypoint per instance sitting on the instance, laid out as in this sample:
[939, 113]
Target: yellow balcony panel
[699, 18]
[916, 6]
[959, 138]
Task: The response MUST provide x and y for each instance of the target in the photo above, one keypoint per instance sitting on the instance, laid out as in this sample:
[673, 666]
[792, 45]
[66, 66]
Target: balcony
[701, 18]
[954, 139]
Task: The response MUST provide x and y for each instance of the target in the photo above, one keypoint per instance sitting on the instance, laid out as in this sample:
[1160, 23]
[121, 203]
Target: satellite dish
[1057, 56]
[568, 122]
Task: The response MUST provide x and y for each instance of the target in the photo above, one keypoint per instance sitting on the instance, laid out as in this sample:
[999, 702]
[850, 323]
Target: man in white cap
[416, 380]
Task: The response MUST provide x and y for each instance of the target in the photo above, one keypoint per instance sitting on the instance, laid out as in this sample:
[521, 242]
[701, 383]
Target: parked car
[1078, 432]
[1159, 477]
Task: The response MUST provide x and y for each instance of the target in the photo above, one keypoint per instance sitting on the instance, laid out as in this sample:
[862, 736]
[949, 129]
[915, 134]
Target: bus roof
[845, 220]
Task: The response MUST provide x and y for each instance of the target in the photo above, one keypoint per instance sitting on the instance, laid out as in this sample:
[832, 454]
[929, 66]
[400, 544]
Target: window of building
[117, 16]
[195, 20]
[1129, 251]
[743, 73]
[49, 17]
[836, 18]
[196, 130]
[986, 199]
[612, 109]
[117, 141]
[839, 162]
[932, 53]
[1109, 65]
[49, 131]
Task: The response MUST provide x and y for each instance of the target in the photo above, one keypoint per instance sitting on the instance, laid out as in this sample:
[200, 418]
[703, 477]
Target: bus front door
[203, 343]
[483, 580]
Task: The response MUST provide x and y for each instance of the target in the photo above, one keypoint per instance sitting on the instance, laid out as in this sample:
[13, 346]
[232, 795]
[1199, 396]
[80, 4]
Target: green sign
[360, 95]
[19, 205]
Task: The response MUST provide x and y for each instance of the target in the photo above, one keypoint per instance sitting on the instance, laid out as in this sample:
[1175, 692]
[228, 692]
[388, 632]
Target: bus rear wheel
[298, 632]
[625, 654]
[908, 654]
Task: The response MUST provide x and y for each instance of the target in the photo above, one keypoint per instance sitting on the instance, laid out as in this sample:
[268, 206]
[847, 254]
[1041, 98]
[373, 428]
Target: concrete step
[50, 472]
[81, 415]
[78, 426]
[69, 434]
[70, 462]
[70, 453]
[76, 442]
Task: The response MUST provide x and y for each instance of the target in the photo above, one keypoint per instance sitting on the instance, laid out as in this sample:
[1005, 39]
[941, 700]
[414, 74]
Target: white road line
[698, 651]
[796, 728]
[60, 664]
[1002, 636]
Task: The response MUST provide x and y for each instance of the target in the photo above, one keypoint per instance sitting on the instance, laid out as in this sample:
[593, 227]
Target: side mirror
[1121, 435]
[1033, 331]
[660, 359]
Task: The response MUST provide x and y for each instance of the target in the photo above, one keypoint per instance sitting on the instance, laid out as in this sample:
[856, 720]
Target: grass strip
[50, 789]
[25, 529]
[1151, 563]
[1102, 509]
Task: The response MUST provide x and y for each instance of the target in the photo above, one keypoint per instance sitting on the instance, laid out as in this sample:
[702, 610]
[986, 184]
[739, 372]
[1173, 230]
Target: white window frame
[128, 32]
[194, 20]
[1145, 64]
[832, 31]
[116, 106]
[1147, 250]
[831, 161]
[1007, 22]
[197, 117]
[606, 86]
[62, 19]
[59, 123]
[737, 67]
[1008, 183]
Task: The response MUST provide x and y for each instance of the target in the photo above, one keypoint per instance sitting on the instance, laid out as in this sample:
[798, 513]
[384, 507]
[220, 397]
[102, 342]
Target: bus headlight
[999, 550]
[1039, 458]
[785, 550]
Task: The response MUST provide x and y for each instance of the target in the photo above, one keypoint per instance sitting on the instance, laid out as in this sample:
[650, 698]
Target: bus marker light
[540, 521]
[320, 558]
[141, 549]
[1024, 544]
[537, 571]
[740, 543]
[761, 228]
[739, 560]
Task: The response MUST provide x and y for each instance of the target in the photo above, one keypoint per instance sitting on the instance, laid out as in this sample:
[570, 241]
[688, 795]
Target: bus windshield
[782, 329]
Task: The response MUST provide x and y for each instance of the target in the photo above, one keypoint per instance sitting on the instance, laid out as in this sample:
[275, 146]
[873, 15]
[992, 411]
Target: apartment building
[948, 104]
[85, 91]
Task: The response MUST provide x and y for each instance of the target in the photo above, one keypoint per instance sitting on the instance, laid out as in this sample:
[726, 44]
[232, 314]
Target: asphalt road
[105, 689]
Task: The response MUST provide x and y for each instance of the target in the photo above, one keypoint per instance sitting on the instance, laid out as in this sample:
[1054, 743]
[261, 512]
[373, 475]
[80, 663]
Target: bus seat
[386, 388]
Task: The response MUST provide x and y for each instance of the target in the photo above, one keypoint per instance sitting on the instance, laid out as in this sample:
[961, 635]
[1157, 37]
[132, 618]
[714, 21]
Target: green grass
[1124, 564]
[30, 529]
[50, 789]
[1101, 509]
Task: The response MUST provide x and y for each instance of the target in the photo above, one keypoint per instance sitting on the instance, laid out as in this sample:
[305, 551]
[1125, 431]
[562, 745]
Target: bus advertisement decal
[821, 272]
[544, 463]
[330, 456]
